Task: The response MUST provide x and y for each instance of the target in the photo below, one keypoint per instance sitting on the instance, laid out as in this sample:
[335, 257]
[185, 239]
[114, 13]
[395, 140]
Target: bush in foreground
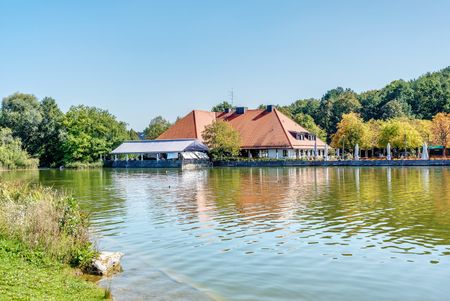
[45, 220]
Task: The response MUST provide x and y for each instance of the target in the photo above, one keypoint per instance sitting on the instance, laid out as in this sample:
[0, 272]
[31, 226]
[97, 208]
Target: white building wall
[273, 153]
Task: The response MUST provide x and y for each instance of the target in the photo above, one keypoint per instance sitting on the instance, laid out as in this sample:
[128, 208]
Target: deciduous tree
[223, 141]
[351, 130]
[156, 127]
[22, 114]
[441, 130]
[91, 133]
[52, 134]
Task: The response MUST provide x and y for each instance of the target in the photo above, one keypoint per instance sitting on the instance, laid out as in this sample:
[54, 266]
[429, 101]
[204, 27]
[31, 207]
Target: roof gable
[257, 128]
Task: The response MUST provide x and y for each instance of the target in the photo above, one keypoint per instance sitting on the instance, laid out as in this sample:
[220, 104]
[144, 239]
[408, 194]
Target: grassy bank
[27, 274]
[43, 238]
[84, 165]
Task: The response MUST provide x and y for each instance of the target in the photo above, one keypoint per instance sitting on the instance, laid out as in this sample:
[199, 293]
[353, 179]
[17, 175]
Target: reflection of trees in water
[410, 205]
[97, 190]
[27, 176]
[402, 203]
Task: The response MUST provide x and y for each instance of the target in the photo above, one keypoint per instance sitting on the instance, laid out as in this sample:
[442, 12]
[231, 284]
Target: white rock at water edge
[106, 263]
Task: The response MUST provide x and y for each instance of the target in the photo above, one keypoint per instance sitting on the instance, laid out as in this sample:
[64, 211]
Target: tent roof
[160, 146]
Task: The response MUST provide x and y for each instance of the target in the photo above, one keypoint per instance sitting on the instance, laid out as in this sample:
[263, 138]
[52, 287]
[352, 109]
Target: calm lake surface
[336, 233]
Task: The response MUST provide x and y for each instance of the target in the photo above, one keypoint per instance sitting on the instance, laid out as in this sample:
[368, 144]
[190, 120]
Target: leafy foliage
[11, 153]
[223, 141]
[441, 129]
[133, 135]
[23, 115]
[334, 104]
[44, 219]
[91, 133]
[308, 123]
[156, 127]
[52, 133]
[222, 106]
[351, 131]
[400, 133]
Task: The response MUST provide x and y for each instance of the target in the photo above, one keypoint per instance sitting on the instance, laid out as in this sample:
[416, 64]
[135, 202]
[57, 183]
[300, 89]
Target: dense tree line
[41, 129]
[405, 135]
[421, 98]
[86, 134]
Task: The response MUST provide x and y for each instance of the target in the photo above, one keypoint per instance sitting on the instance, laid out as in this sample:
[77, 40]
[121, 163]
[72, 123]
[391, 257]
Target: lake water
[269, 233]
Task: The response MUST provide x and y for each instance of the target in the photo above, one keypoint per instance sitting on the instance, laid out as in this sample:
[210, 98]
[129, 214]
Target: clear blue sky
[139, 59]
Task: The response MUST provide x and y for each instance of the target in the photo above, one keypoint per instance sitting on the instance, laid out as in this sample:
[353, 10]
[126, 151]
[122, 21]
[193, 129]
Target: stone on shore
[107, 263]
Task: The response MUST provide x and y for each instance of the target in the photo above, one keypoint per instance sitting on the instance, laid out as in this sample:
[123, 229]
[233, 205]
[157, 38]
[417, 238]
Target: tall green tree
[91, 133]
[395, 100]
[431, 94]
[370, 104]
[133, 135]
[52, 133]
[303, 106]
[23, 115]
[334, 104]
[156, 127]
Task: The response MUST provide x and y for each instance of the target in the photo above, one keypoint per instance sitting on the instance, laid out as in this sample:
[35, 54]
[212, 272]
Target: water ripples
[272, 233]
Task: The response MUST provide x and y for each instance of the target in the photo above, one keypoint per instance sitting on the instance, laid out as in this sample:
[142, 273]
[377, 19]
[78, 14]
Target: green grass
[43, 238]
[27, 274]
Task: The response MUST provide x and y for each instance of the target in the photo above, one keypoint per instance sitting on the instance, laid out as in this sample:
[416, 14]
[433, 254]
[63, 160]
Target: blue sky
[140, 59]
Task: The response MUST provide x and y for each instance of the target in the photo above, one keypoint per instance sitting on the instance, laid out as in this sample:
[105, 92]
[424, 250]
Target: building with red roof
[264, 132]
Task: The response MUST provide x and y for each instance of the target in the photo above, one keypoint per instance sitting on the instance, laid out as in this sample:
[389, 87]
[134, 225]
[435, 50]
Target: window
[285, 152]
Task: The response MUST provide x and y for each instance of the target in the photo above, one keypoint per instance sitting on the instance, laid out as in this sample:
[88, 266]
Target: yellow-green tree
[441, 130]
[424, 127]
[372, 138]
[400, 133]
[351, 130]
[223, 141]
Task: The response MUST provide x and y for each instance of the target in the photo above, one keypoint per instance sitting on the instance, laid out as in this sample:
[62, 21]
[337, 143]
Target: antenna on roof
[232, 96]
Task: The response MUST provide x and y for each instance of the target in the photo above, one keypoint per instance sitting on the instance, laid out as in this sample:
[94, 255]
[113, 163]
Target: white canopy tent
[173, 149]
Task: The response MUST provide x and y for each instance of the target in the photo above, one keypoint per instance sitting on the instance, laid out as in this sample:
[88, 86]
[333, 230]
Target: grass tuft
[47, 221]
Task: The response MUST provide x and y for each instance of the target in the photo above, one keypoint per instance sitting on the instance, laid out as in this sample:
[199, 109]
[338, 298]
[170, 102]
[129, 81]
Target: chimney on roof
[241, 110]
[269, 108]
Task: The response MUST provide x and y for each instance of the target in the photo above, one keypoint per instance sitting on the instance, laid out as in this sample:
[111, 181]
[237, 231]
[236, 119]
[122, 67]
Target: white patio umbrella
[356, 154]
[315, 148]
[325, 155]
[425, 152]
[337, 152]
[388, 152]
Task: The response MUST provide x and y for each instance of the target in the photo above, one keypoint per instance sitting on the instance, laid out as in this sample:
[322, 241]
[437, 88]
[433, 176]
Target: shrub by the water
[11, 153]
[84, 165]
[43, 219]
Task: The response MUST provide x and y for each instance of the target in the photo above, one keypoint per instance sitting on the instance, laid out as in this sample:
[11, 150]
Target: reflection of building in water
[277, 193]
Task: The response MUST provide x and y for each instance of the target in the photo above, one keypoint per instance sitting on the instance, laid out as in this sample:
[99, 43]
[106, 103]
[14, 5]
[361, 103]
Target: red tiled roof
[259, 129]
